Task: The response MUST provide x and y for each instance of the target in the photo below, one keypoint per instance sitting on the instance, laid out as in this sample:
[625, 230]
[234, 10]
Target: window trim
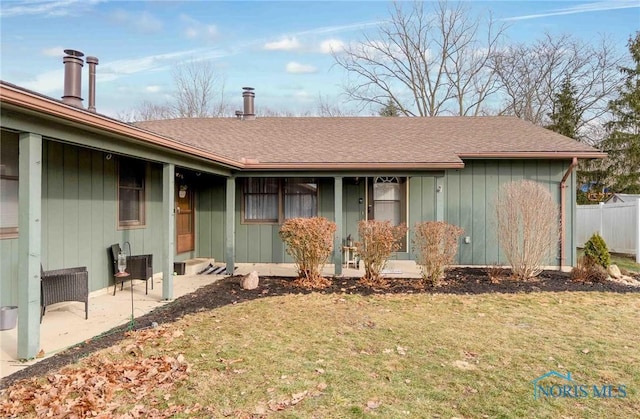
[141, 222]
[12, 232]
[281, 200]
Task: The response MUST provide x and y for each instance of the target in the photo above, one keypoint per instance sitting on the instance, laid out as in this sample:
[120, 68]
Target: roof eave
[533, 155]
[353, 166]
[24, 100]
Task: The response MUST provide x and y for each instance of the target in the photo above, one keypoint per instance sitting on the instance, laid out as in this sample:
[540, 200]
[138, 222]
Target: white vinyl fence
[618, 224]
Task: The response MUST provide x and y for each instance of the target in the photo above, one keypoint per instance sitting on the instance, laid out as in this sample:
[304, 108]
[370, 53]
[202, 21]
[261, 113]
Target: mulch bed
[227, 291]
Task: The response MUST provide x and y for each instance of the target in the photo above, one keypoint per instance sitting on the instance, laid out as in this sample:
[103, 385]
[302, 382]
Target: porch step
[194, 266]
[400, 267]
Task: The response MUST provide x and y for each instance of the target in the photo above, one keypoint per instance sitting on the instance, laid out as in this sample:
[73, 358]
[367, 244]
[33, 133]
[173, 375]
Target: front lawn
[344, 355]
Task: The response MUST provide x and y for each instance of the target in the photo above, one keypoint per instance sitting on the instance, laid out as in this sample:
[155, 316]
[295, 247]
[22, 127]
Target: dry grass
[392, 356]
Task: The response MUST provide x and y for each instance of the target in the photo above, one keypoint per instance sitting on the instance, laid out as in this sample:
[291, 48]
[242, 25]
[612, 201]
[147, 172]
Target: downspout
[563, 186]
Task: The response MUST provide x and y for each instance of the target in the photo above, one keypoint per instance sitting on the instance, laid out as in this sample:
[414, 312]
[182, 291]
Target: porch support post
[337, 240]
[169, 222]
[29, 244]
[230, 217]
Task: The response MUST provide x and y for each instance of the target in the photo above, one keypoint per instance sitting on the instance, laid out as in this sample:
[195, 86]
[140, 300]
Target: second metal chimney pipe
[93, 62]
[248, 95]
[73, 77]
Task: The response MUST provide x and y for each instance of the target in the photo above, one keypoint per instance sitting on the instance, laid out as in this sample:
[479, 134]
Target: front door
[387, 196]
[184, 218]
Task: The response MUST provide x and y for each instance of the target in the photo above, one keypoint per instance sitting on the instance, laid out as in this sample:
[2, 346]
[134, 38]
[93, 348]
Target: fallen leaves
[89, 389]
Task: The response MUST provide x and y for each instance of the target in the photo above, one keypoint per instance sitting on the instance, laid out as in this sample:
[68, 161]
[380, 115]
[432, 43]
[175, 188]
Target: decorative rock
[250, 281]
[614, 271]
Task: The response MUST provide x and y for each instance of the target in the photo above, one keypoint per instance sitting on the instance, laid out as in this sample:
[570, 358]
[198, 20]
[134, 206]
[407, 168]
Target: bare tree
[147, 111]
[425, 63]
[199, 92]
[326, 109]
[529, 75]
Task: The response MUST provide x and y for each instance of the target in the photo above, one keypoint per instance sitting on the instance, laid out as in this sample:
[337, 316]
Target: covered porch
[64, 324]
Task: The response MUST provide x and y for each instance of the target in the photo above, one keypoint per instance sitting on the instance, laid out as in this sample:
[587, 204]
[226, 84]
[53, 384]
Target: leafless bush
[436, 244]
[378, 239]
[588, 270]
[495, 272]
[528, 228]
[310, 243]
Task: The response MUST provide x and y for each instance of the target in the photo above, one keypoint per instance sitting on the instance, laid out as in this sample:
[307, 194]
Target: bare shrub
[310, 243]
[495, 272]
[378, 239]
[528, 228]
[589, 270]
[436, 245]
[580, 272]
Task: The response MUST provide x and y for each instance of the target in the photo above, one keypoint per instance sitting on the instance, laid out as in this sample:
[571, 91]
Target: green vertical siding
[422, 203]
[79, 212]
[210, 219]
[9, 272]
[352, 209]
[471, 193]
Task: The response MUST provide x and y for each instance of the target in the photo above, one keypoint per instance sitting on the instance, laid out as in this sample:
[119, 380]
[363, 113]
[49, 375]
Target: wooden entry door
[185, 232]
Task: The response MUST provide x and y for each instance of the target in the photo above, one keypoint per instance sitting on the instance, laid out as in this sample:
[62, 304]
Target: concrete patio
[64, 324]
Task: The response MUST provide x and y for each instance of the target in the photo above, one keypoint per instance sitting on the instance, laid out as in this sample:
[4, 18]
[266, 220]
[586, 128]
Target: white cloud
[53, 52]
[302, 94]
[153, 89]
[341, 28]
[194, 29]
[285, 44]
[330, 46]
[47, 7]
[581, 8]
[147, 23]
[297, 68]
[141, 22]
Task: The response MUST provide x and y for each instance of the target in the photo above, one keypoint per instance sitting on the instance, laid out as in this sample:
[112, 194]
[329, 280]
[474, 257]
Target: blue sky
[279, 48]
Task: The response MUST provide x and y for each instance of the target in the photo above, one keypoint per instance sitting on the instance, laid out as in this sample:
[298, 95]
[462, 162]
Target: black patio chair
[71, 284]
[138, 267]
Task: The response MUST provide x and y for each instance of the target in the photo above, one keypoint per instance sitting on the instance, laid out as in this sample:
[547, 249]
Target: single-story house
[74, 182]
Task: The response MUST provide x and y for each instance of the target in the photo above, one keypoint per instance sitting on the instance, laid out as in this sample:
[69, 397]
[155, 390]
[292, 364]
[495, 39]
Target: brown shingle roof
[356, 141]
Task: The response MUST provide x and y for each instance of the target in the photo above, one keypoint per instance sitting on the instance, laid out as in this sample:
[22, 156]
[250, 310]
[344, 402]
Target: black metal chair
[138, 267]
[71, 284]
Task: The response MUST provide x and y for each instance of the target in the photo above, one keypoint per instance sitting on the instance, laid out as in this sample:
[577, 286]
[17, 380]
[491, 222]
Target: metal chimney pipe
[73, 64]
[93, 62]
[248, 95]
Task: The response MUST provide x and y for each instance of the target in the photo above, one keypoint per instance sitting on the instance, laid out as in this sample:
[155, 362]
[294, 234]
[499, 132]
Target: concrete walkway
[64, 324]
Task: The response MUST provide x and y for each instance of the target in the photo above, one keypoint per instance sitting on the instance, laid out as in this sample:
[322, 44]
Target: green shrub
[436, 245]
[596, 249]
[310, 243]
[378, 239]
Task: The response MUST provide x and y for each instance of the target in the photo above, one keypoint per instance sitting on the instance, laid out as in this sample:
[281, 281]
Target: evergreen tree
[565, 116]
[390, 109]
[565, 119]
[623, 141]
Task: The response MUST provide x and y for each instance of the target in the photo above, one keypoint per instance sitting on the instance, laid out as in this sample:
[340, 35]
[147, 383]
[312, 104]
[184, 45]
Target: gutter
[563, 186]
[19, 99]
